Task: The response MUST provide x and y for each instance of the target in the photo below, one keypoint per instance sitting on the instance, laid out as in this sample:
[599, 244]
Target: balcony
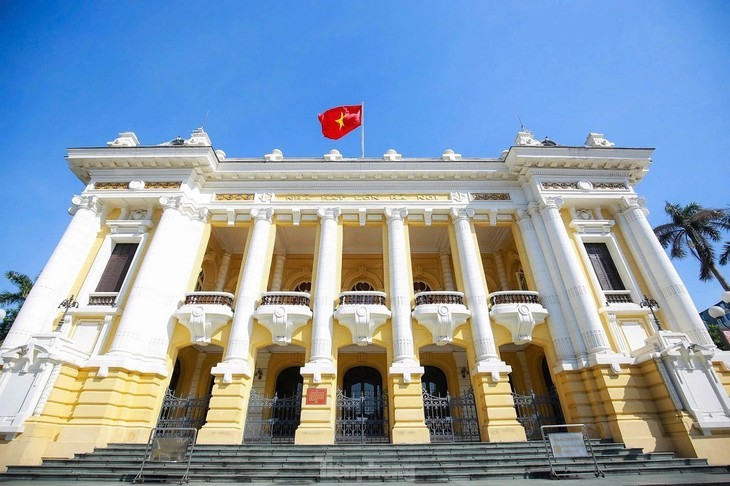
[618, 297]
[282, 313]
[204, 313]
[362, 313]
[106, 299]
[441, 313]
[518, 311]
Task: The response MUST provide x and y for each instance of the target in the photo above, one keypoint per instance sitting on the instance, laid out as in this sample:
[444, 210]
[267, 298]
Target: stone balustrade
[210, 298]
[369, 297]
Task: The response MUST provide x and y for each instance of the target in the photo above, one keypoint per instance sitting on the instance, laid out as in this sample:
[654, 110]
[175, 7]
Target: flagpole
[362, 129]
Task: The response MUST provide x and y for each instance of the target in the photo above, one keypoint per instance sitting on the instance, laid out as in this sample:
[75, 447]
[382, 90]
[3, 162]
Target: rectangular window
[604, 267]
[117, 267]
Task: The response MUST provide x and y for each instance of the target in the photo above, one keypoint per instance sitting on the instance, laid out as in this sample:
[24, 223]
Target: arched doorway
[449, 419]
[535, 397]
[275, 420]
[362, 407]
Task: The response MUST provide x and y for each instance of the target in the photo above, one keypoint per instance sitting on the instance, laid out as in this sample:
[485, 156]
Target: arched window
[420, 286]
[289, 382]
[362, 381]
[434, 381]
[303, 287]
[362, 286]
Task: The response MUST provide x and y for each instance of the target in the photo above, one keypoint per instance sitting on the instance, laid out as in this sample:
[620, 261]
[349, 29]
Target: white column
[475, 290]
[500, 271]
[562, 342]
[446, 273]
[223, 272]
[660, 274]
[404, 361]
[325, 293]
[278, 271]
[235, 361]
[579, 295]
[143, 336]
[55, 281]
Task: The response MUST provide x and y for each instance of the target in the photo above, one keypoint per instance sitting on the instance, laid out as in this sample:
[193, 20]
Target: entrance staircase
[294, 464]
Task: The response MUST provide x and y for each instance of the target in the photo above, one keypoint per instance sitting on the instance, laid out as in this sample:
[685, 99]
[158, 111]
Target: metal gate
[181, 413]
[362, 419]
[534, 411]
[272, 420]
[451, 419]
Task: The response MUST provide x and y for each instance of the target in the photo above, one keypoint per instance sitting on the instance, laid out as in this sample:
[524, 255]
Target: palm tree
[694, 228]
[15, 299]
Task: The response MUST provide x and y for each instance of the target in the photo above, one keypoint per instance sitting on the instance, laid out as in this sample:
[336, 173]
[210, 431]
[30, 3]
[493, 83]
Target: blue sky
[433, 75]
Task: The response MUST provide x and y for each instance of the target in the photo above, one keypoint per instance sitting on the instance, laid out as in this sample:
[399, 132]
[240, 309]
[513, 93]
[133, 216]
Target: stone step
[292, 464]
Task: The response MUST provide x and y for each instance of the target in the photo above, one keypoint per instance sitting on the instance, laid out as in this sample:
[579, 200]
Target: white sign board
[568, 445]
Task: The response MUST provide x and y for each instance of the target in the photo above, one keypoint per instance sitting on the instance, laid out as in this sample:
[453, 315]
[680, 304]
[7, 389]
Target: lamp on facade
[259, 374]
[718, 312]
[464, 372]
[651, 304]
[66, 304]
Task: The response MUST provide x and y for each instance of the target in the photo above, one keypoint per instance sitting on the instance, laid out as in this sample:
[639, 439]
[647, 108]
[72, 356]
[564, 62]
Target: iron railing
[514, 297]
[181, 413]
[214, 298]
[103, 298]
[618, 297]
[362, 419]
[534, 411]
[272, 420]
[444, 297]
[285, 298]
[370, 297]
[451, 419]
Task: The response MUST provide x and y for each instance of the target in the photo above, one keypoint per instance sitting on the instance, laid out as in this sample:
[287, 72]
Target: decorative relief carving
[111, 185]
[614, 186]
[163, 185]
[234, 197]
[552, 186]
[490, 196]
[364, 197]
[137, 185]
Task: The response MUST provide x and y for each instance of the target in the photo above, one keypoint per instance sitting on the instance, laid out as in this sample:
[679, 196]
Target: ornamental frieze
[136, 185]
[490, 196]
[584, 186]
[363, 197]
[234, 197]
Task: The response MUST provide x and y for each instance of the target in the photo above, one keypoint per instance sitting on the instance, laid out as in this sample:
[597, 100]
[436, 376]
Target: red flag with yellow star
[338, 122]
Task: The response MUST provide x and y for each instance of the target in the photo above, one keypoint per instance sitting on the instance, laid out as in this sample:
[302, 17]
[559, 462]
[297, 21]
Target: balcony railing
[362, 298]
[514, 297]
[618, 297]
[103, 298]
[212, 298]
[445, 297]
[285, 298]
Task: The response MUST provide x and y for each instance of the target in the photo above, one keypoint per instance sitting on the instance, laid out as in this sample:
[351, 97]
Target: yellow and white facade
[524, 273]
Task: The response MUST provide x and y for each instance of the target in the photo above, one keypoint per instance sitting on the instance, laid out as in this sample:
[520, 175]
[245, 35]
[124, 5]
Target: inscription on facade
[316, 396]
[234, 197]
[490, 196]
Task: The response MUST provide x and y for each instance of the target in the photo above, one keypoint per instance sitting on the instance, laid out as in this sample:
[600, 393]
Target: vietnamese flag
[338, 122]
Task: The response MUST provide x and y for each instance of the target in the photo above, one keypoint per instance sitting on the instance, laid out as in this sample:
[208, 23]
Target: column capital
[92, 203]
[396, 213]
[184, 206]
[551, 202]
[264, 214]
[329, 213]
[461, 213]
[521, 215]
[632, 202]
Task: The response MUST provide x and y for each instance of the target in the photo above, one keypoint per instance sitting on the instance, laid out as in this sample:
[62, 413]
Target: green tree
[693, 229]
[14, 300]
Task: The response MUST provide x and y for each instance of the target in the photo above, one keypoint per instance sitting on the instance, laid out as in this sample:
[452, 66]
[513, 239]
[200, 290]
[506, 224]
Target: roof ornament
[125, 139]
[391, 155]
[546, 142]
[526, 138]
[450, 155]
[199, 138]
[333, 154]
[598, 140]
[275, 156]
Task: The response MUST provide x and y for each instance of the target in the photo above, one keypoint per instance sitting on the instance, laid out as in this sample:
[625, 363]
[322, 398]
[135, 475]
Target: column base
[495, 406]
[226, 415]
[409, 425]
[317, 422]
